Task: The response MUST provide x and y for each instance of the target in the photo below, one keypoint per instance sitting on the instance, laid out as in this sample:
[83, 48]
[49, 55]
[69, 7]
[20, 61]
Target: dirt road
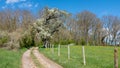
[27, 61]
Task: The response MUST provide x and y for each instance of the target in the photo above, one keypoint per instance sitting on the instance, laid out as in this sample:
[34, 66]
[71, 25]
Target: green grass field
[96, 56]
[10, 59]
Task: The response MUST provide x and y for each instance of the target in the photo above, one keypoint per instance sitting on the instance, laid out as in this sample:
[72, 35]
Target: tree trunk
[46, 43]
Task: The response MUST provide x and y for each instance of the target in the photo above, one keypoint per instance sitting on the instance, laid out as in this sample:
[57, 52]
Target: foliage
[3, 38]
[39, 43]
[48, 24]
[84, 25]
[83, 42]
[26, 40]
[65, 42]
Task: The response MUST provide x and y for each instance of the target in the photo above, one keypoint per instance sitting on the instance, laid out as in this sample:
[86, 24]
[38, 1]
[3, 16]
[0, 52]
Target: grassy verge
[10, 59]
[96, 56]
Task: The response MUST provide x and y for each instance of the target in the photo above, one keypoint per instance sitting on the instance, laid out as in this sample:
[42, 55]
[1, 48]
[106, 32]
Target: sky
[98, 7]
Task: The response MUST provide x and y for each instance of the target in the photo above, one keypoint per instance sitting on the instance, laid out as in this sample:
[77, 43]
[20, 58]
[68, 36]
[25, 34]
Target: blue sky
[99, 7]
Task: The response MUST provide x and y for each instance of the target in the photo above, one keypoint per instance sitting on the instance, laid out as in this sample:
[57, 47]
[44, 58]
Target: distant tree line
[87, 28]
[84, 28]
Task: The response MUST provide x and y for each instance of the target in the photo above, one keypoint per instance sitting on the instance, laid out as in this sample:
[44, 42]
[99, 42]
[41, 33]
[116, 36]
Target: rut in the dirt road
[27, 61]
[47, 63]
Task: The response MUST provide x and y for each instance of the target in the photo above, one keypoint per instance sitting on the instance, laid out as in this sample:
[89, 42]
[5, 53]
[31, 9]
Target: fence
[68, 48]
[68, 52]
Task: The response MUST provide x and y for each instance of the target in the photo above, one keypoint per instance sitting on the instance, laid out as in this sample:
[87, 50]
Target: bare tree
[85, 21]
[115, 29]
[97, 32]
[27, 18]
[111, 24]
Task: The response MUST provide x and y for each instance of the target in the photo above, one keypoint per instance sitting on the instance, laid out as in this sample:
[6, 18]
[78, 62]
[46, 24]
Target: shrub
[65, 42]
[39, 44]
[82, 42]
[3, 38]
[26, 41]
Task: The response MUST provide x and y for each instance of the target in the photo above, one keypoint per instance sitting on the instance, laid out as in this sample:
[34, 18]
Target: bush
[82, 42]
[3, 40]
[26, 41]
[38, 43]
[65, 42]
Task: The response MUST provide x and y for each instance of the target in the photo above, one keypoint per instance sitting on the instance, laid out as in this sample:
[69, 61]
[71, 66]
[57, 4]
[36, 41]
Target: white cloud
[13, 1]
[3, 7]
[29, 5]
[25, 5]
[36, 5]
[22, 0]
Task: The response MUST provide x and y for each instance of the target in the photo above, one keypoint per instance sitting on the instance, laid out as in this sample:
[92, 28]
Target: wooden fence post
[53, 49]
[115, 58]
[83, 50]
[59, 50]
[68, 52]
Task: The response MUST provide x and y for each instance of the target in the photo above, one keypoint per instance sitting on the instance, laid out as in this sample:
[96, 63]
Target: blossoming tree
[48, 24]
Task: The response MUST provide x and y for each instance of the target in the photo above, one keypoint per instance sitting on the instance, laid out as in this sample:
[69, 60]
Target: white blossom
[43, 30]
